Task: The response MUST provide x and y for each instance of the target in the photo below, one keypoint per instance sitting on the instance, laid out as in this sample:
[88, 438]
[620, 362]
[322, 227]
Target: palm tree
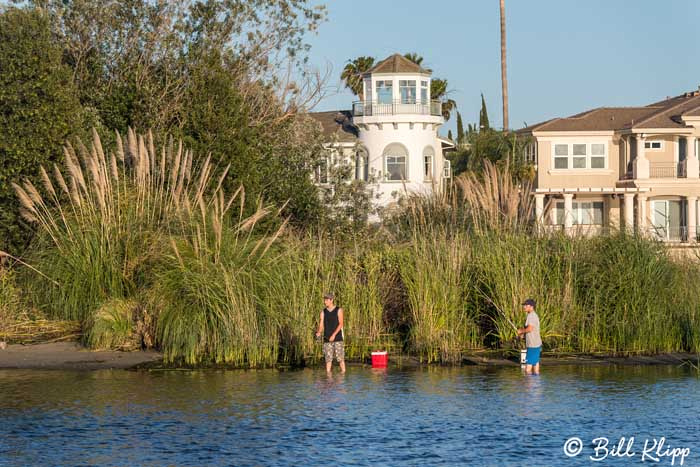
[504, 79]
[353, 71]
[438, 91]
[438, 88]
[417, 59]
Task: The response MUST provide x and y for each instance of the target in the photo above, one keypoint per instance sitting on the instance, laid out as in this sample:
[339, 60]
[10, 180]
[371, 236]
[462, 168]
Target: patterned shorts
[334, 348]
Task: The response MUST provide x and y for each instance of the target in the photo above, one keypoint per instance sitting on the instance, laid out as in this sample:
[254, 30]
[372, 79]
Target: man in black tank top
[330, 325]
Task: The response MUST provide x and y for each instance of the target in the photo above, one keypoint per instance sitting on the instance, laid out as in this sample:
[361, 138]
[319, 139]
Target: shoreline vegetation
[145, 248]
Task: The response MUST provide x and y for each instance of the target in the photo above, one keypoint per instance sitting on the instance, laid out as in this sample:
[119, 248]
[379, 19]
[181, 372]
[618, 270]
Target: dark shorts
[334, 349]
[533, 355]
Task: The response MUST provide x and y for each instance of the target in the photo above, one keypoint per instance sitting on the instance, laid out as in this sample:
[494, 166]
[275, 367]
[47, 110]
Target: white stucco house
[391, 136]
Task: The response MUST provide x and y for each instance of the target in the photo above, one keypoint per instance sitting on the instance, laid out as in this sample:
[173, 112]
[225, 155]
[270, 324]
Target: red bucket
[379, 359]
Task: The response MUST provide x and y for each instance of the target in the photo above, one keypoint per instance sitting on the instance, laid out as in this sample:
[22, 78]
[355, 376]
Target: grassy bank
[145, 249]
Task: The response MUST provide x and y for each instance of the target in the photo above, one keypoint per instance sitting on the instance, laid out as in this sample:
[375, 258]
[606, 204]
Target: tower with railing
[398, 124]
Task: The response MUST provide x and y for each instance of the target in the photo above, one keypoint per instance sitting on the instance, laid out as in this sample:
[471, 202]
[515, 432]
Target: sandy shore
[70, 356]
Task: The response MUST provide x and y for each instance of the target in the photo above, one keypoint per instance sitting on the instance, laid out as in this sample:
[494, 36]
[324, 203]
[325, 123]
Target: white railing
[370, 108]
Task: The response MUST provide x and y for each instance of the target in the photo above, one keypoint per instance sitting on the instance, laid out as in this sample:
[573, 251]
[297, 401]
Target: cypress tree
[449, 134]
[460, 129]
[483, 116]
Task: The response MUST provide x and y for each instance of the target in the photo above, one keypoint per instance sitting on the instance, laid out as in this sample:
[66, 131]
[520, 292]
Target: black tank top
[330, 323]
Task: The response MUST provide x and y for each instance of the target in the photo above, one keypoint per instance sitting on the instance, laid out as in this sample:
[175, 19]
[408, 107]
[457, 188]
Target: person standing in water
[331, 326]
[533, 342]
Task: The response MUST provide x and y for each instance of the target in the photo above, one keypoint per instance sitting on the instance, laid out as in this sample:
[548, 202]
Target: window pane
[579, 162]
[597, 162]
[656, 145]
[424, 94]
[428, 166]
[598, 149]
[598, 213]
[560, 214]
[407, 89]
[561, 149]
[579, 149]
[396, 167]
[585, 213]
[384, 92]
[561, 163]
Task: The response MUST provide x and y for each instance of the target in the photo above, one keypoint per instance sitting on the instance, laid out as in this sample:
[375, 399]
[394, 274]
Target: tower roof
[397, 63]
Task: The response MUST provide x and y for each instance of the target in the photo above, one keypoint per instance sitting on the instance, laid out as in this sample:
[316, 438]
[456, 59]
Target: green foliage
[39, 109]
[206, 72]
[415, 58]
[348, 199]
[433, 271]
[483, 116]
[439, 91]
[10, 302]
[112, 326]
[353, 71]
[460, 130]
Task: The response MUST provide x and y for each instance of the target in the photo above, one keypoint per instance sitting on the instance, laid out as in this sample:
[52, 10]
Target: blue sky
[564, 56]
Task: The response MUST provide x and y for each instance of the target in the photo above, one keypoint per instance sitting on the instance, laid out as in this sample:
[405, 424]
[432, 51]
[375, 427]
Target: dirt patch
[70, 356]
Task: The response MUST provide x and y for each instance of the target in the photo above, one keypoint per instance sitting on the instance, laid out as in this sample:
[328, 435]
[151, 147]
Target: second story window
[424, 91]
[561, 156]
[658, 145]
[580, 156]
[384, 92]
[407, 87]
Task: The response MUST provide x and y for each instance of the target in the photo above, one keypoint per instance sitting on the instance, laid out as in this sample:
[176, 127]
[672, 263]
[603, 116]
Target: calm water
[435, 416]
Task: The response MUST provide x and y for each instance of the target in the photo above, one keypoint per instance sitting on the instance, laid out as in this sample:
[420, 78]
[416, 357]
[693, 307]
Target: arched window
[396, 162]
[361, 164]
[428, 163]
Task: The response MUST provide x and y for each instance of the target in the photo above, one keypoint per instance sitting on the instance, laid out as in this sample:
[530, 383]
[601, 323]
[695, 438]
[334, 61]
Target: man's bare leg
[329, 365]
[528, 369]
[342, 366]
[537, 368]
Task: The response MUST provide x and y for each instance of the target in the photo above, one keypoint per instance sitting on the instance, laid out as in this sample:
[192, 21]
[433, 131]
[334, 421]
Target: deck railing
[666, 170]
[370, 108]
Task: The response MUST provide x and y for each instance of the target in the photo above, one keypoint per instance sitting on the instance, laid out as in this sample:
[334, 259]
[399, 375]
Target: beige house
[630, 168]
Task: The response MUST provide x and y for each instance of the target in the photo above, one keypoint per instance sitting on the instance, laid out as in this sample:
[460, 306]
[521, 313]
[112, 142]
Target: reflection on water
[431, 416]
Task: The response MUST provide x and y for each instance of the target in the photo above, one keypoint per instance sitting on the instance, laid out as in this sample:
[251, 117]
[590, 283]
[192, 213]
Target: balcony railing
[666, 170]
[678, 234]
[370, 109]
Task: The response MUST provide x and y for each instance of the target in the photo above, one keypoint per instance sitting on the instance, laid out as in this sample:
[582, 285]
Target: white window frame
[531, 153]
[424, 94]
[651, 143]
[428, 151]
[405, 84]
[570, 157]
[362, 164]
[323, 173]
[384, 85]
[447, 169]
[386, 155]
[578, 212]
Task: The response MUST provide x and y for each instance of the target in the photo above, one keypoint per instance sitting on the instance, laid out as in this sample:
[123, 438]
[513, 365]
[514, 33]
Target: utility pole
[504, 79]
